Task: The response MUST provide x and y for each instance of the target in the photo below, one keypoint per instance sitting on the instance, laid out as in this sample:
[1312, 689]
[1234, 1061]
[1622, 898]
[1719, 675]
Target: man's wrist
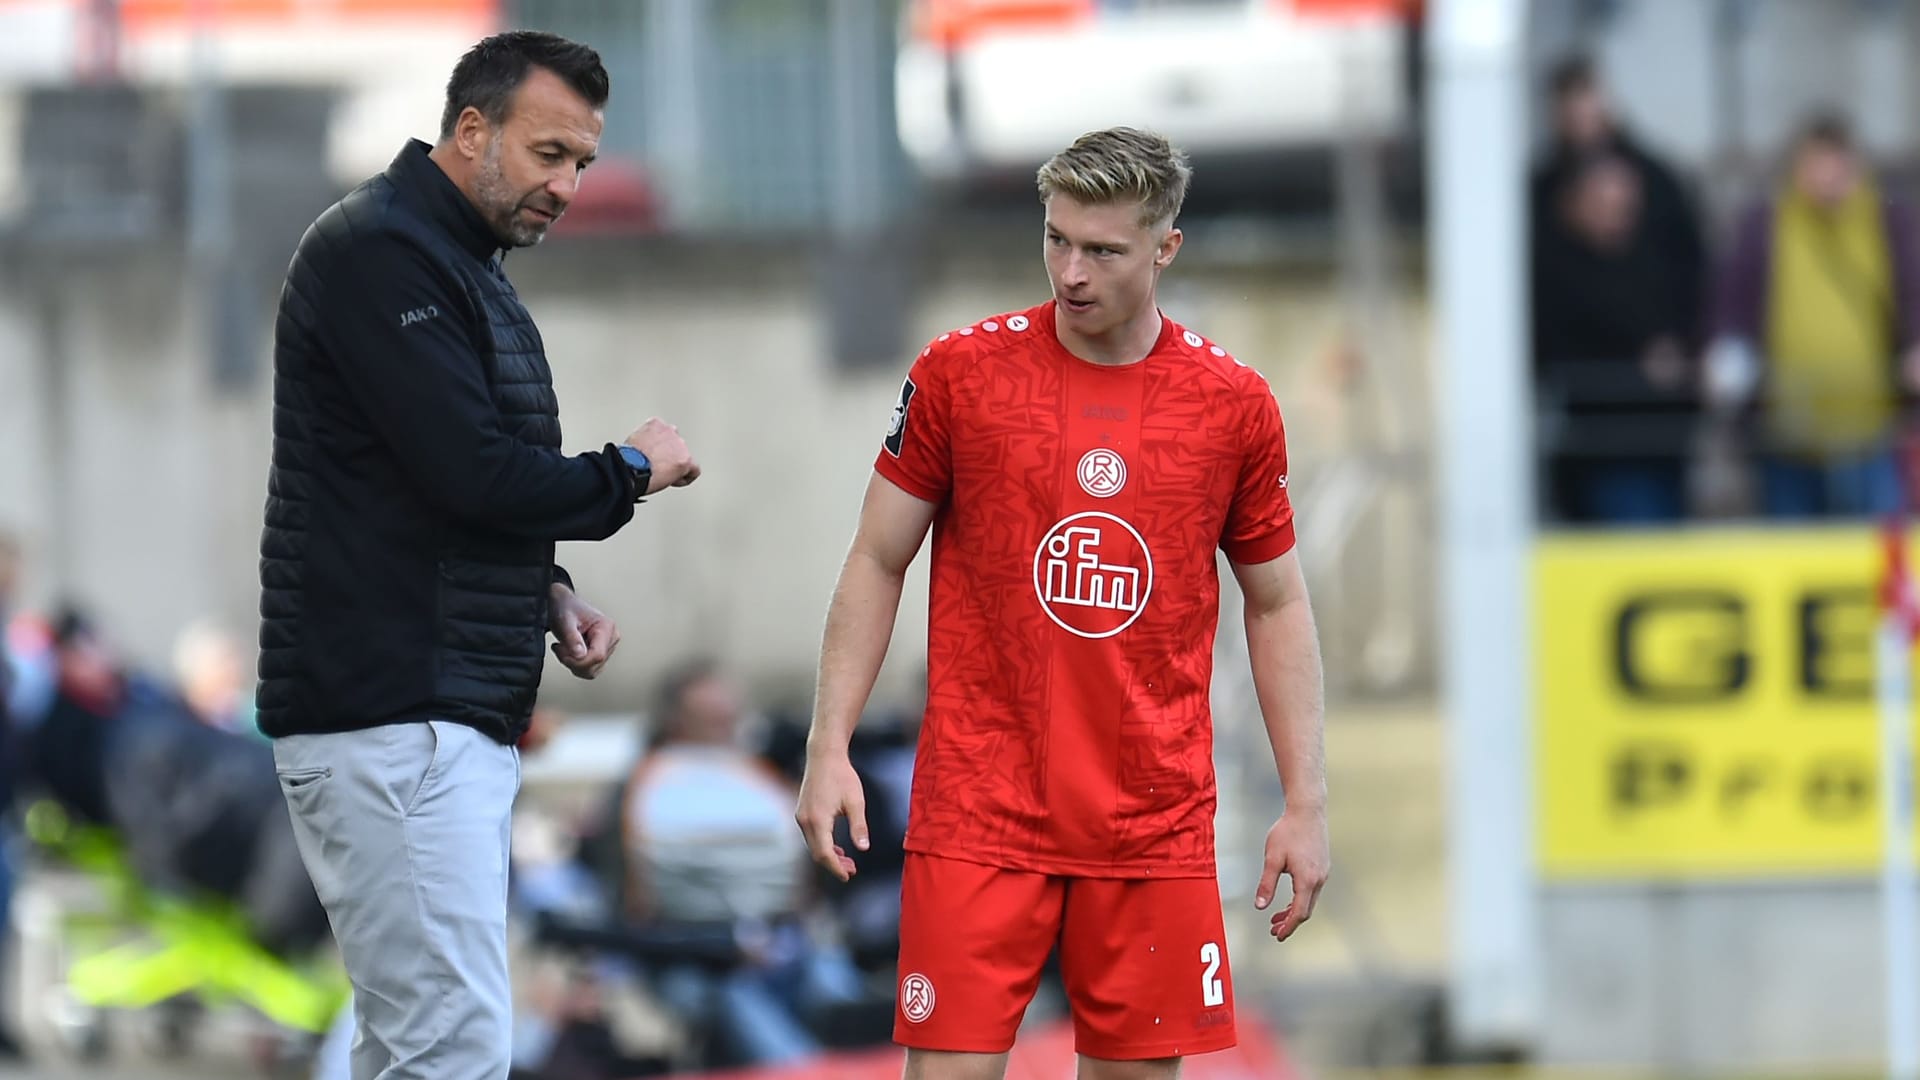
[828, 745]
[639, 470]
[1307, 805]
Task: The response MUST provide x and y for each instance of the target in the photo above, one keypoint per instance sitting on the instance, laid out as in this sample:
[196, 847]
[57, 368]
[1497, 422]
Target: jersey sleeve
[917, 454]
[1260, 521]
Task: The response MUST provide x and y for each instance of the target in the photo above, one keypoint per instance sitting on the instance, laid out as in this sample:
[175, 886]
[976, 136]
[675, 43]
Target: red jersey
[1075, 594]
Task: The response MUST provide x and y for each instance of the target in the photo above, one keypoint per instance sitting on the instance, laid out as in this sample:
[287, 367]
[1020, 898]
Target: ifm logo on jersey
[1093, 574]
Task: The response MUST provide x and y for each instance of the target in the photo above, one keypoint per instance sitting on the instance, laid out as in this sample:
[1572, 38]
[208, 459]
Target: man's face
[1582, 118]
[1604, 205]
[711, 711]
[1826, 173]
[532, 162]
[1102, 262]
[87, 667]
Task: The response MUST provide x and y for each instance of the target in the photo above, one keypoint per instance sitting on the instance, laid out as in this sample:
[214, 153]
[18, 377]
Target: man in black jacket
[1619, 280]
[1584, 124]
[406, 566]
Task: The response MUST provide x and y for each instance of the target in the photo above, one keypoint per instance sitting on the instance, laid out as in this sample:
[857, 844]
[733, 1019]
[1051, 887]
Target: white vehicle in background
[990, 86]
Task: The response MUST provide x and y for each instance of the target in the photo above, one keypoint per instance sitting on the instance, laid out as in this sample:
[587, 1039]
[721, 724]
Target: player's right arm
[866, 600]
[911, 478]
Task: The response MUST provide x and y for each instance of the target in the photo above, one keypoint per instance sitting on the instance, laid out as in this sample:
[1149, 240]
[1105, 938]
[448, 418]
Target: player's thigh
[973, 940]
[1145, 967]
[1151, 1069]
[942, 1065]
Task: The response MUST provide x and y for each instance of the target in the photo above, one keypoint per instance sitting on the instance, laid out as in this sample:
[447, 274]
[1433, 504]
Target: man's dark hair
[70, 624]
[1826, 128]
[487, 76]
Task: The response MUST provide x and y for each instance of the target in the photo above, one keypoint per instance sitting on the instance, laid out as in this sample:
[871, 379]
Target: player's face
[532, 164]
[1103, 263]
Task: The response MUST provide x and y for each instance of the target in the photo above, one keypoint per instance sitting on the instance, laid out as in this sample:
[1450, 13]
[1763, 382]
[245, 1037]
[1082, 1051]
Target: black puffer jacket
[417, 485]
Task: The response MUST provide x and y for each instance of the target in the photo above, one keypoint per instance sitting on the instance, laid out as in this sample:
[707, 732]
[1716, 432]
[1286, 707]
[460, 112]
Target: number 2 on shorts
[1211, 992]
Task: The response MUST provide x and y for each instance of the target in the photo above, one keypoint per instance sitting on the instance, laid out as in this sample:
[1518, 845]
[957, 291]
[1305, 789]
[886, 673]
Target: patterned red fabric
[1075, 591]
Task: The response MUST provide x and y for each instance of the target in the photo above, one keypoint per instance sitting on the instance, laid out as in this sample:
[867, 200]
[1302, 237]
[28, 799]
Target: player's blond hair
[1121, 165]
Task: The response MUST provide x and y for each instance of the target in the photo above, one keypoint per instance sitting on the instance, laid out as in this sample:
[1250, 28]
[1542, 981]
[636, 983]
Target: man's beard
[501, 207]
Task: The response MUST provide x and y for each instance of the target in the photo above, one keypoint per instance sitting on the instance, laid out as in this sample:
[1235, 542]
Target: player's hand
[673, 464]
[829, 790]
[584, 638]
[1297, 847]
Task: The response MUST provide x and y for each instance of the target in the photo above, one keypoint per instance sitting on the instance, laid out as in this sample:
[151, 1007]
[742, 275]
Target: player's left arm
[1285, 655]
[1259, 541]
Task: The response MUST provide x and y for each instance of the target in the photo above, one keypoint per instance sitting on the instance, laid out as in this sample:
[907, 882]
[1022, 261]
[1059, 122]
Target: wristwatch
[640, 469]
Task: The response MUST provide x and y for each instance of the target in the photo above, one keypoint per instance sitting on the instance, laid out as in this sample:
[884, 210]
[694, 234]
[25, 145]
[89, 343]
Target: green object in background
[198, 946]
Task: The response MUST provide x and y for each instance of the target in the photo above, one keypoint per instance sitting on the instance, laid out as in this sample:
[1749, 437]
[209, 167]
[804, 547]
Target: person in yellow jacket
[1818, 324]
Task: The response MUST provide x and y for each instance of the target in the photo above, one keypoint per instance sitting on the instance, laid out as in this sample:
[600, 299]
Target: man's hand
[584, 638]
[829, 790]
[673, 464]
[1297, 847]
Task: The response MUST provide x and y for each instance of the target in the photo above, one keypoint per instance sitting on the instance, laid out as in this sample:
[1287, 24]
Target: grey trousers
[404, 830]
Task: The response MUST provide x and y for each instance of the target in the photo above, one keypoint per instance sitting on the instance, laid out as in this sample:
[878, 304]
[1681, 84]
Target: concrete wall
[1772, 975]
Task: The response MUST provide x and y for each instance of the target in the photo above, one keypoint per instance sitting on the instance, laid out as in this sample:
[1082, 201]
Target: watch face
[640, 470]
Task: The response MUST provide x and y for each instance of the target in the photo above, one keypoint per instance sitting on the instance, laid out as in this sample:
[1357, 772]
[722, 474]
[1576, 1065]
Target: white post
[1477, 166]
[1896, 870]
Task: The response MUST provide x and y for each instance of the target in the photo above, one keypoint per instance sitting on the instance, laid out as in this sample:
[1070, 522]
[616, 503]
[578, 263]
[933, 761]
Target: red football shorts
[1144, 960]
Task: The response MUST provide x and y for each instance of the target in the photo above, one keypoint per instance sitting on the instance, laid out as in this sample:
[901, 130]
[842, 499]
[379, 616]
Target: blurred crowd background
[1713, 323]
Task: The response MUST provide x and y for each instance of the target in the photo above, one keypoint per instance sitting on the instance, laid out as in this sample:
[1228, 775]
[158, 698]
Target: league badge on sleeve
[897, 429]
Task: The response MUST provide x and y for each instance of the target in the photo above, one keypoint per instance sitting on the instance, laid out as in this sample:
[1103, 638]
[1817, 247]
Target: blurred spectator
[9, 589]
[702, 809]
[27, 641]
[1612, 324]
[1618, 279]
[213, 678]
[11, 680]
[9, 586]
[63, 750]
[1818, 330]
[710, 837]
[1583, 125]
[196, 809]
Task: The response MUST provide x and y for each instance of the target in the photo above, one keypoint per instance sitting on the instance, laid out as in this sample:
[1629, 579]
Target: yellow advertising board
[1705, 704]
